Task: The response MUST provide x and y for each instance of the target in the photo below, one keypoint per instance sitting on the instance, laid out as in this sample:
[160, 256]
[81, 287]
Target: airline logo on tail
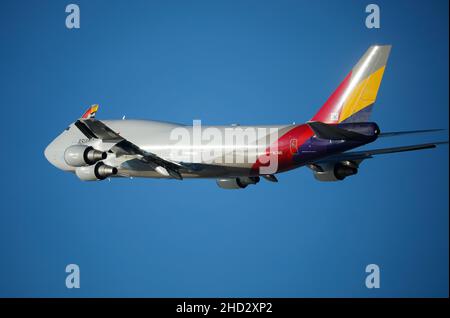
[90, 113]
[352, 101]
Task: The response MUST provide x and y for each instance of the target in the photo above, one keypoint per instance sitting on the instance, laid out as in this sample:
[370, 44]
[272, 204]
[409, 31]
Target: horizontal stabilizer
[366, 154]
[331, 132]
[408, 132]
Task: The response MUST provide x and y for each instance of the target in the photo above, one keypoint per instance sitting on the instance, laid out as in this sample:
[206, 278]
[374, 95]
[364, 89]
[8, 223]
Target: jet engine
[336, 172]
[99, 171]
[82, 155]
[236, 183]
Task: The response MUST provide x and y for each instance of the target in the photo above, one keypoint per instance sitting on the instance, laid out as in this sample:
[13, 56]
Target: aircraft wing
[93, 128]
[367, 154]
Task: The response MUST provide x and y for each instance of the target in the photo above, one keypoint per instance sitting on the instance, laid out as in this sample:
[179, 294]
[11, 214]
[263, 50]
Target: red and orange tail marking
[353, 99]
[90, 113]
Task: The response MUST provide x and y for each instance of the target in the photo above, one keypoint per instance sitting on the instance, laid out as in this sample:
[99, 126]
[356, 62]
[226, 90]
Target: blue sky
[248, 62]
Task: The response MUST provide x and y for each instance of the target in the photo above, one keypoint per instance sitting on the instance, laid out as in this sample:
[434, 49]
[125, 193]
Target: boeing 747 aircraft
[236, 156]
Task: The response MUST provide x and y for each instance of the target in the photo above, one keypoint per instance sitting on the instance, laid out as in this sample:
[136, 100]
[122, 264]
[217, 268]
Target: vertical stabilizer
[353, 100]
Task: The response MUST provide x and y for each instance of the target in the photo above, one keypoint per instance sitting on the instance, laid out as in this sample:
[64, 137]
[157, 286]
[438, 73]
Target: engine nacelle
[99, 171]
[338, 172]
[82, 155]
[236, 183]
[162, 171]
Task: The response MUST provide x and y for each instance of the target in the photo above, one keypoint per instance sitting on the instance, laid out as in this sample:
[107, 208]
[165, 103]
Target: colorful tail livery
[240, 155]
[353, 100]
[90, 113]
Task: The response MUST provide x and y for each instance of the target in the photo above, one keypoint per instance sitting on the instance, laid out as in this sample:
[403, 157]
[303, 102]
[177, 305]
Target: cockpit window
[67, 128]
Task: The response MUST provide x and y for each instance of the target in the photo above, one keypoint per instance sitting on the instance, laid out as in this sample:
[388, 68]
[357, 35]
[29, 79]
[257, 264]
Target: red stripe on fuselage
[300, 133]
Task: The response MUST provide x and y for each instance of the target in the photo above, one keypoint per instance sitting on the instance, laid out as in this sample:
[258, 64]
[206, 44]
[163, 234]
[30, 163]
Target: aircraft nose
[49, 153]
[54, 155]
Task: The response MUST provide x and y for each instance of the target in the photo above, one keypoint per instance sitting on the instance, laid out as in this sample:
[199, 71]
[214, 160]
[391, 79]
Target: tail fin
[90, 112]
[354, 98]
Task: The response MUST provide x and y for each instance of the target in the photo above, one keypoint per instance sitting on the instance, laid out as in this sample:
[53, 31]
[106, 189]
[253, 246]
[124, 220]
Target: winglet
[90, 113]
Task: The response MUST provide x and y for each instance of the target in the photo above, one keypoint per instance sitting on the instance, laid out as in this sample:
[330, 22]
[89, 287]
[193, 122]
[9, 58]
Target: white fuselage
[212, 151]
